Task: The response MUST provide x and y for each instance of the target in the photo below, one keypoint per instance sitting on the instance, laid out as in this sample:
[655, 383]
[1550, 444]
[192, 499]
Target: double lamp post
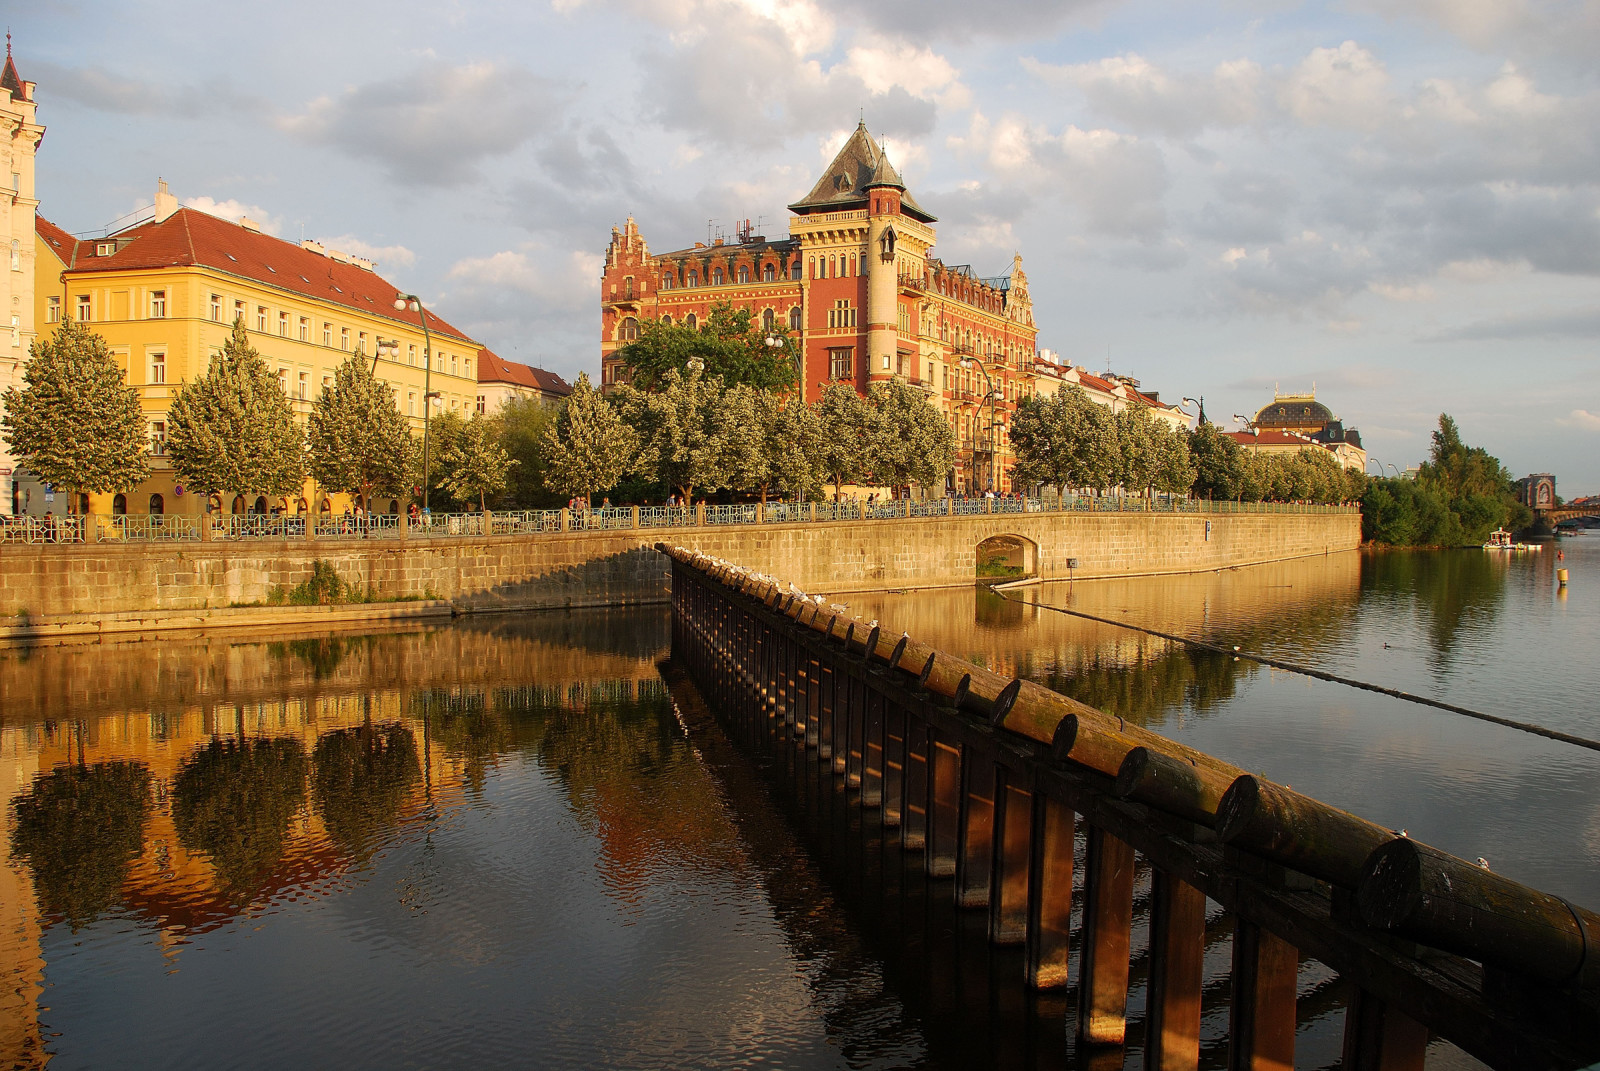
[402, 302]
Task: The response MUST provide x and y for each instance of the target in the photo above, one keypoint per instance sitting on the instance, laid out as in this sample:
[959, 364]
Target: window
[452, 364]
[716, 277]
[794, 318]
[667, 282]
[158, 368]
[813, 263]
[411, 355]
[305, 329]
[283, 324]
[667, 320]
[83, 308]
[16, 255]
[852, 264]
[466, 367]
[216, 308]
[158, 304]
[768, 273]
[327, 381]
[841, 363]
[283, 381]
[303, 390]
[690, 322]
[693, 279]
[105, 249]
[744, 273]
[830, 272]
[842, 315]
[16, 329]
[261, 318]
[411, 403]
[52, 313]
[344, 338]
[480, 405]
[158, 438]
[766, 320]
[628, 330]
[627, 288]
[238, 311]
[361, 342]
[794, 270]
[158, 505]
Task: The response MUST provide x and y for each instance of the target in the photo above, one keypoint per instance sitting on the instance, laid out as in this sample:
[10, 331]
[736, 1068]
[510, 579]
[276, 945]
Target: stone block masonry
[617, 568]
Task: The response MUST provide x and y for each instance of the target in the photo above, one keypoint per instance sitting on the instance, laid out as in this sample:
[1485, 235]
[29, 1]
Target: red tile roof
[64, 245]
[492, 368]
[190, 237]
[1270, 437]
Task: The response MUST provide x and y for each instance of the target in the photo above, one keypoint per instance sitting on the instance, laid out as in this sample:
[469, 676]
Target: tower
[882, 258]
[22, 134]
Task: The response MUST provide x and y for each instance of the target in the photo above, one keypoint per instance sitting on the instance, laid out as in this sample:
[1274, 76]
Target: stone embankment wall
[620, 568]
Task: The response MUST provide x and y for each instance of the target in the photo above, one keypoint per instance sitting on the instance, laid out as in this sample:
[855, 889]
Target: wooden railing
[991, 779]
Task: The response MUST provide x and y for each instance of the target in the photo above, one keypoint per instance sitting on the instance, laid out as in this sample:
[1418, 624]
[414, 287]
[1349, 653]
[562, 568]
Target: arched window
[831, 271]
[628, 330]
[744, 273]
[766, 319]
[813, 262]
[690, 321]
[394, 505]
[768, 273]
[794, 270]
[716, 277]
[666, 320]
[794, 318]
[304, 508]
[238, 504]
[158, 504]
[852, 264]
[261, 504]
[693, 279]
[667, 282]
[119, 505]
[327, 505]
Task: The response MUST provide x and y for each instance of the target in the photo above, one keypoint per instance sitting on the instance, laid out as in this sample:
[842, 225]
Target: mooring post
[1008, 894]
[1050, 892]
[975, 860]
[872, 750]
[914, 819]
[944, 808]
[895, 717]
[1107, 938]
[1261, 1017]
[1379, 1037]
[1177, 954]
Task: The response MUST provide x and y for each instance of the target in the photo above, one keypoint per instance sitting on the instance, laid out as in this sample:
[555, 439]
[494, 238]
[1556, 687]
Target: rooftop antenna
[709, 222]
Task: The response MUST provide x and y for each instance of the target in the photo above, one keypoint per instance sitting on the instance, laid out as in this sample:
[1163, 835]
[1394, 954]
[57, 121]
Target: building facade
[862, 298]
[1293, 422]
[500, 380]
[19, 114]
[164, 294]
[1537, 491]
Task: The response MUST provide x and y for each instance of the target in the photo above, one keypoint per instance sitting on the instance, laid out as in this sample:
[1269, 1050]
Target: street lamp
[777, 342]
[402, 302]
[1397, 473]
[990, 394]
[1200, 404]
[1373, 461]
[385, 347]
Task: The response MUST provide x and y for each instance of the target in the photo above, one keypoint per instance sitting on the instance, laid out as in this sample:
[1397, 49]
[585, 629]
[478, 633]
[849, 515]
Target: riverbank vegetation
[1459, 495]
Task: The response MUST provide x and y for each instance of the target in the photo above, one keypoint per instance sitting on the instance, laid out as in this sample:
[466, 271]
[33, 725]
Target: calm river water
[509, 841]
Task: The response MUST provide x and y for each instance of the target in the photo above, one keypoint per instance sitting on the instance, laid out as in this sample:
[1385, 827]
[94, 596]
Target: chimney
[166, 204]
[313, 246]
[249, 224]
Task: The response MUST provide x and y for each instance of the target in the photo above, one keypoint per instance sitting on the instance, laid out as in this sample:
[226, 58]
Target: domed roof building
[1295, 412]
[1293, 422]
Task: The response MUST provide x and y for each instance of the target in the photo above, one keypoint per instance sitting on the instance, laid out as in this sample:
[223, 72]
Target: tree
[232, 429]
[588, 446]
[793, 434]
[360, 444]
[731, 345]
[1093, 431]
[1041, 437]
[522, 423]
[1138, 457]
[476, 465]
[683, 430]
[75, 423]
[743, 413]
[1174, 472]
[1216, 463]
[911, 440]
[846, 426]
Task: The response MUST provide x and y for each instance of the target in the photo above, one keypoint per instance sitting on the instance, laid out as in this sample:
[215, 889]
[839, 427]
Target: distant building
[1293, 422]
[1537, 491]
[1115, 392]
[18, 113]
[500, 379]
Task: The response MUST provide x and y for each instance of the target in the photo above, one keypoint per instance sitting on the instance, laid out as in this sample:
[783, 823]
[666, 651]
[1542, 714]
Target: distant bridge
[1554, 517]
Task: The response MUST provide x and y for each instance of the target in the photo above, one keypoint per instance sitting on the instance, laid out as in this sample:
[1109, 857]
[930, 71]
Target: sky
[1394, 201]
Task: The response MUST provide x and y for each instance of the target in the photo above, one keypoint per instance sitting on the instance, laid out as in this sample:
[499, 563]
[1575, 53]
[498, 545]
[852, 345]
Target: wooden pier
[993, 780]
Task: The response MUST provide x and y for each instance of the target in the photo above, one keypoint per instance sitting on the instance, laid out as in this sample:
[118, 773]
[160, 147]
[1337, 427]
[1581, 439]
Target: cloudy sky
[1398, 201]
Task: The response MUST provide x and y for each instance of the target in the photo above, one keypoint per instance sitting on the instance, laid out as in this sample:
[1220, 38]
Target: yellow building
[18, 114]
[164, 294]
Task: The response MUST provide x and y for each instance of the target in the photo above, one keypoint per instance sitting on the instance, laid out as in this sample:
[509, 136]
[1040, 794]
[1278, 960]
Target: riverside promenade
[151, 568]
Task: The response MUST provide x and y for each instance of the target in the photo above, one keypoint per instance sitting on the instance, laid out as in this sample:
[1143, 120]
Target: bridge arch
[1007, 556]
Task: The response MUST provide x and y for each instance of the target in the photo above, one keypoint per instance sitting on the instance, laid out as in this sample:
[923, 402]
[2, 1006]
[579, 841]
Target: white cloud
[386, 255]
[1580, 418]
[231, 210]
[1133, 91]
[1340, 87]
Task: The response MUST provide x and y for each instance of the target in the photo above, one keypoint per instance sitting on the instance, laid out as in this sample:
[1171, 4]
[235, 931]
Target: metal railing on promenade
[998, 787]
[133, 528]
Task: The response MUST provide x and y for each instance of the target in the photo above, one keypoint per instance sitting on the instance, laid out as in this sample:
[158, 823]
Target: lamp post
[385, 347]
[414, 303]
[1373, 461]
[777, 342]
[1200, 404]
[1397, 473]
[989, 394]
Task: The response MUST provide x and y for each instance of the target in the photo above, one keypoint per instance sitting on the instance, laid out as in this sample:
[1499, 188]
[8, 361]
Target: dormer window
[105, 249]
[841, 182]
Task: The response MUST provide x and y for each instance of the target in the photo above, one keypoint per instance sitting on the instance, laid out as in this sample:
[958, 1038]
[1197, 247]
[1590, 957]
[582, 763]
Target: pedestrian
[605, 503]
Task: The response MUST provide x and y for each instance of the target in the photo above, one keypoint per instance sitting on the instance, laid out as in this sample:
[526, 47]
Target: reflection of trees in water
[78, 828]
[1147, 691]
[233, 800]
[360, 781]
[635, 631]
[1451, 589]
[462, 726]
[997, 612]
[322, 655]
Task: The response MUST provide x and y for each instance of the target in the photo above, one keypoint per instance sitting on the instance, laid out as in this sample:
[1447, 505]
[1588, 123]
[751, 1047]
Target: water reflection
[363, 777]
[232, 801]
[1451, 591]
[78, 828]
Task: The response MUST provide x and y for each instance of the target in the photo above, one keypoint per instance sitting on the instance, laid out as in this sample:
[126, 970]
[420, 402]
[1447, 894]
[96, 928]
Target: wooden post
[914, 821]
[872, 750]
[1008, 894]
[1261, 1018]
[944, 808]
[975, 858]
[1378, 1037]
[895, 718]
[1177, 954]
[1049, 892]
[1107, 936]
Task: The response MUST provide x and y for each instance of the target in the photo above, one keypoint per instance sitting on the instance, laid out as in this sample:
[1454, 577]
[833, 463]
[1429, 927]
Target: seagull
[1483, 862]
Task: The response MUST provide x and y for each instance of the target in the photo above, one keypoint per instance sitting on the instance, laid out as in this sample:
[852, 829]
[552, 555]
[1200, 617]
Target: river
[511, 841]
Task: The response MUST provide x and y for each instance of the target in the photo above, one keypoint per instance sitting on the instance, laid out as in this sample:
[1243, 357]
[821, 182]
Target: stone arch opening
[1007, 557]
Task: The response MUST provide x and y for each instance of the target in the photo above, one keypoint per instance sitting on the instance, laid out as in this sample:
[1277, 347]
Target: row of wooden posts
[991, 779]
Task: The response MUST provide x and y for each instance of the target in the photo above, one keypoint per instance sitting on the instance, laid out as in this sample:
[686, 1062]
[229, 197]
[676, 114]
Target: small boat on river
[1500, 539]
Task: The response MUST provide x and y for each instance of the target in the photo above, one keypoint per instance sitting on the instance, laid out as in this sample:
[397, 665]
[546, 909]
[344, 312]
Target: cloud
[1580, 418]
[1343, 87]
[390, 255]
[1131, 90]
[528, 303]
[436, 125]
[1570, 323]
[231, 210]
[105, 90]
[927, 20]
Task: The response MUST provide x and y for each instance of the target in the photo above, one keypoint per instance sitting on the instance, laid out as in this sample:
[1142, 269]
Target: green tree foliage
[1460, 494]
[731, 344]
[1408, 513]
[846, 423]
[792, 432]
[1217, 467]
[522, 423]
[445, 430]
[360, 444]
[232, 429]
[1138, 450]
[1041, 438]
[910, 440]
[475, 466]
[685, 433]
[75, 423]
[77, 829]
[1175, 468]
[588, 447]
[233, 800]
